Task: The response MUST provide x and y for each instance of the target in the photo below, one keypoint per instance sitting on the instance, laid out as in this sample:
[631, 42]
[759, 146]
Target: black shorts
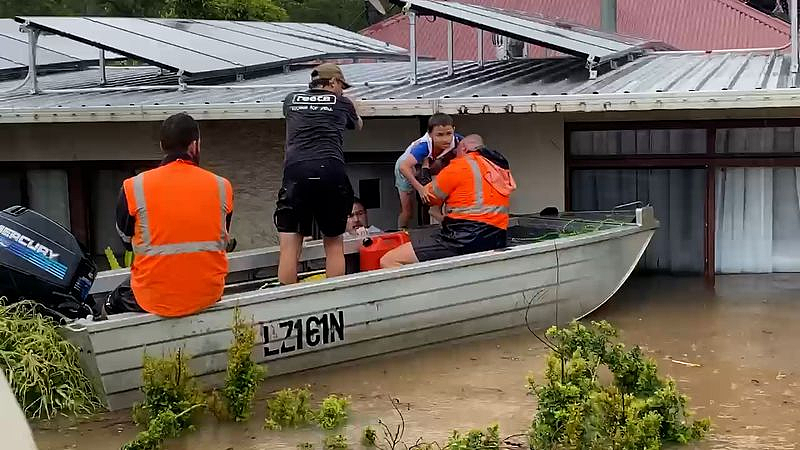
[314, 190]
[427, 244]
[122, 300]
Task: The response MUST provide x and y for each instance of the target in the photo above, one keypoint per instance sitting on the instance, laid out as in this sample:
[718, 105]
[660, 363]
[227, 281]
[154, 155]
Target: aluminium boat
[555, 269]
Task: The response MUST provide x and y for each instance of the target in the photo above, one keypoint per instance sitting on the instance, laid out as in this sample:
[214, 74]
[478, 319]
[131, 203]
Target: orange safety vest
[180, 237]
[473, 188]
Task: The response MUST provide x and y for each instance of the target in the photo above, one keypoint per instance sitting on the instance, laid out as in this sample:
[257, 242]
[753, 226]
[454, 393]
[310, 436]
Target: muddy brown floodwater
[744, 335]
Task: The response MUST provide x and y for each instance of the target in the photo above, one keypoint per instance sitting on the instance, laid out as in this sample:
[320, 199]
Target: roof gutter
[182, 86]
[622, 102]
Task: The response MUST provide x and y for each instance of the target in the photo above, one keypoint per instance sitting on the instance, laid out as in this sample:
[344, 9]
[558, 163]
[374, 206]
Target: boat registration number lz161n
[308, 332]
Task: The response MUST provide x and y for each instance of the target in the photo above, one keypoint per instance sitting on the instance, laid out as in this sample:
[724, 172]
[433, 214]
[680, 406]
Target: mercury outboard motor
[42, 261]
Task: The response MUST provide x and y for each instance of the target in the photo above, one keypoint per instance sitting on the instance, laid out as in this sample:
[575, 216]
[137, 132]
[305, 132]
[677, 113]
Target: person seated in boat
[476, 187]
[358, 222]
[176, 219]
[440, 139]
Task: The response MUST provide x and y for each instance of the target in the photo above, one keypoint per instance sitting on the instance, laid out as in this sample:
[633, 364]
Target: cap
[329, 71]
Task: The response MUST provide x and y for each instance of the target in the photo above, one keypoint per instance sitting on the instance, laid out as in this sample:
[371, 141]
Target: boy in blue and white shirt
[440, 139]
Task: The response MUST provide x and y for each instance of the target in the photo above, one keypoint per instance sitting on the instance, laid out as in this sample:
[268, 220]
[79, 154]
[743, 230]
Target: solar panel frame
[314, 30]
[53, 52]
[227, 47]
[568, 39]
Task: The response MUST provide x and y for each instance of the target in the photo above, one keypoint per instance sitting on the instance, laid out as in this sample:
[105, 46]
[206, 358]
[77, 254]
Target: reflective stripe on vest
[142, 221]
[438, 191]
[478, 207]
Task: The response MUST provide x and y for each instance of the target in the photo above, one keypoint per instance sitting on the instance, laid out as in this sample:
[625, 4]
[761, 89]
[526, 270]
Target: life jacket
[180, 237]
[478, 187]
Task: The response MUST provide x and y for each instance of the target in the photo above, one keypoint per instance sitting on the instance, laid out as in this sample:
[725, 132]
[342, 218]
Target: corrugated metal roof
[553, 76]
[657, 81]
[683, 24]
[731, 71]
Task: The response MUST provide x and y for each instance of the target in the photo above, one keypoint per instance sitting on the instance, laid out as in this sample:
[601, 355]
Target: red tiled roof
[684, 24]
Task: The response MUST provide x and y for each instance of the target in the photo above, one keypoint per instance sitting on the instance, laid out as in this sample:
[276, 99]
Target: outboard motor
[42, 261]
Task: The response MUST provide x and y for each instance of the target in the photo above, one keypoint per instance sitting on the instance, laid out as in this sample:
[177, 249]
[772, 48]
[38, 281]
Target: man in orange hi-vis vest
[475, 189]
[176, 219]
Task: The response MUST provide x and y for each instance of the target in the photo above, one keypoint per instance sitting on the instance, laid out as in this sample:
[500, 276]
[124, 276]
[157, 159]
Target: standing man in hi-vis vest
[176, 219]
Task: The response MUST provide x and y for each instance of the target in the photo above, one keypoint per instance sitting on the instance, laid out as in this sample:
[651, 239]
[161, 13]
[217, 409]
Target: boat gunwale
[314, 249]
[364, 278]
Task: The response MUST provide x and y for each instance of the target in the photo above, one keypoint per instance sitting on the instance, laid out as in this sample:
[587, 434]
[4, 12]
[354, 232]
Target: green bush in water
[639, 410]
[335, 442]
[333, 412]
[244, 375]
[171, 399]
[42, 368]
[289, 408]
[369, 437]
[475, 440]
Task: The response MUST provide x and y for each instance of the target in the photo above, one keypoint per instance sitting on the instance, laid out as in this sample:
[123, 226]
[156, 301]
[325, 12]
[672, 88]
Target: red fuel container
[374, 247]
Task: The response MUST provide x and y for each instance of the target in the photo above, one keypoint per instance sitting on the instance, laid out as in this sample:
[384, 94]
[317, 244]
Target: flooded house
[708, 138]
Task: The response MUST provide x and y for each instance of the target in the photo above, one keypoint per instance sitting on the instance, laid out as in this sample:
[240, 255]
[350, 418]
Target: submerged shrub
[335, 442]
[244, 375]
[333, 412]
[369, 437]
[289, 408]
[488, 439]
[639, 410]
[171, 399]
[42, 368]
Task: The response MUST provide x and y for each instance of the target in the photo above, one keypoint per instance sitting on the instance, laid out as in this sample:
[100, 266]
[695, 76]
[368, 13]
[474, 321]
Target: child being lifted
[440, 139]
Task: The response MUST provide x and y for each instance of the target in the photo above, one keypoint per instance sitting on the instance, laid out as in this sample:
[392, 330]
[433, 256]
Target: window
[369, 191]
[758, 140]
[673, 193]
[105, 186]
[637, 142]
[48, 194]
[11, 189]
[758, 213]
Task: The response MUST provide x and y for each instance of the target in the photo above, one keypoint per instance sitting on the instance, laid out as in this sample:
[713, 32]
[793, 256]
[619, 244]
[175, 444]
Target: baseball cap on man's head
[328, 71]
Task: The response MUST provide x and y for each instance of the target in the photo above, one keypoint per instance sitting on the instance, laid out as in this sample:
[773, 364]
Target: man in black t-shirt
[315, 183]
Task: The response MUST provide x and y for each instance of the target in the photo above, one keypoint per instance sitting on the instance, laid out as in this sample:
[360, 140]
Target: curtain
[637, 142]
[48, 194]
[758, 140]
[678, 198]
[757, 218]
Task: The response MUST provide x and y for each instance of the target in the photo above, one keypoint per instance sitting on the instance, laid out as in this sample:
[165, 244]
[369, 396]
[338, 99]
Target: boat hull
[368, 314]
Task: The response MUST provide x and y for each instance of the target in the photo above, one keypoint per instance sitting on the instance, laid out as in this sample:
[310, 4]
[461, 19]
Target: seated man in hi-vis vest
[176, 219]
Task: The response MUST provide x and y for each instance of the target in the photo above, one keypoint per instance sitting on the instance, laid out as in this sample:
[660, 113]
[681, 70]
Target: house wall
[79, 142]
[534, 146]
[250, 155]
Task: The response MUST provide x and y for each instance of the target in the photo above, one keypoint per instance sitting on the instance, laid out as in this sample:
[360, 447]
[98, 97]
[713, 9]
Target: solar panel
[565, 38]
[51, 50]
[203, 48]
